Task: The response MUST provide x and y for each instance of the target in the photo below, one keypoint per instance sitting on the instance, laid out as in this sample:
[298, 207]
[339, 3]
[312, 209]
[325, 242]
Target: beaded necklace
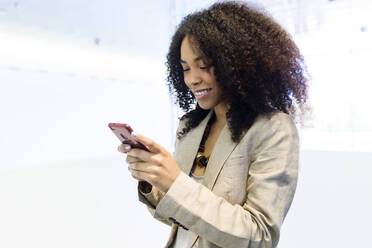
[200, 158]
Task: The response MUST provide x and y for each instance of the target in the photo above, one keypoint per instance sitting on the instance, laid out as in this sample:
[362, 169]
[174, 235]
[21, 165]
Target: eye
[207, 68]
[185, 69]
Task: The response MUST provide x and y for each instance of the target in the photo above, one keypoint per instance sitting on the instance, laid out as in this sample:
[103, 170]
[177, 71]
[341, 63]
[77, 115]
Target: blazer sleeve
[270, 188]
[150, 195]
[151, 199]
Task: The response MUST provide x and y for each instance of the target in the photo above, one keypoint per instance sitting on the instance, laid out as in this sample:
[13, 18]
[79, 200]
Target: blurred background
[68, 68]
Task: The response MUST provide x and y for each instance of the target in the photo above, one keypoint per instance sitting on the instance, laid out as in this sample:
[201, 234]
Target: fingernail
[134, 134]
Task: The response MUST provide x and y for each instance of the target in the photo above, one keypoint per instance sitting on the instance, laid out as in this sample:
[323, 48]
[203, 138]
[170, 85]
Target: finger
[140, 154]
[154, 147]
[130, 159]
[134, 175]
[139, 175]
[141, 166]
[124, 148]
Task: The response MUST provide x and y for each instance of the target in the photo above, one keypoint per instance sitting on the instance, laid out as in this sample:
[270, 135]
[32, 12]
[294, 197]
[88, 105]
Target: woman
[234, 171]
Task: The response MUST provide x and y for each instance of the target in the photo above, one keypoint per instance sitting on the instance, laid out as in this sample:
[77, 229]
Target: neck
[220, 111]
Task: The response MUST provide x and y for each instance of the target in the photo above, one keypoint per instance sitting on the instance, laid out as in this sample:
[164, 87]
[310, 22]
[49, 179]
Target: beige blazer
[247, 189]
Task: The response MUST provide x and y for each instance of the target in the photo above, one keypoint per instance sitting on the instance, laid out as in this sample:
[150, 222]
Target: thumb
[149, 143]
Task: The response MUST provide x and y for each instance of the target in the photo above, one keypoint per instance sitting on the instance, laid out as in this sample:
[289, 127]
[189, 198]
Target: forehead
[188, 46]
[190, 51]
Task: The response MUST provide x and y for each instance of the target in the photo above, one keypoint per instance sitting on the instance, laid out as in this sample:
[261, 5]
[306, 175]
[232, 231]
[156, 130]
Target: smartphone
[123, 132]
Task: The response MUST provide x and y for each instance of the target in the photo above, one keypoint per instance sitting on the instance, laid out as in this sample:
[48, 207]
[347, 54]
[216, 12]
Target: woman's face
[199, 76]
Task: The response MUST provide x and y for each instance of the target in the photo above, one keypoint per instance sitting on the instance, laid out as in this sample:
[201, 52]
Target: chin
[205, 106]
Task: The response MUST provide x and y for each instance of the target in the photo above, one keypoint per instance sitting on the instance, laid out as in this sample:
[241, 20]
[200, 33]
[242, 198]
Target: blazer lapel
[189, 145]
[221, 151]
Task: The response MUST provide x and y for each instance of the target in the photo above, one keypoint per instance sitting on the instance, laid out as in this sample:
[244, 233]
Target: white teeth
[199, 93]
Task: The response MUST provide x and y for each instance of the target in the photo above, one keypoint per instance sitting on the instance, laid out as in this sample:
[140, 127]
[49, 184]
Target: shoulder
[277, 125]
[271, 126]
[275, 120]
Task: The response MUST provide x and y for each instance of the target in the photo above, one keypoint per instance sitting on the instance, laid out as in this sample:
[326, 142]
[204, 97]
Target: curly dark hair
[258, 67]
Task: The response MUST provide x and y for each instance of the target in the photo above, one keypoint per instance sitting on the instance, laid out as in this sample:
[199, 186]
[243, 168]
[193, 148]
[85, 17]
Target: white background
[68, 68]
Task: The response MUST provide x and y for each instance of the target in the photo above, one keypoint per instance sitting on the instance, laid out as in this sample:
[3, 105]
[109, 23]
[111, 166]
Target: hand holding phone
[124, 134]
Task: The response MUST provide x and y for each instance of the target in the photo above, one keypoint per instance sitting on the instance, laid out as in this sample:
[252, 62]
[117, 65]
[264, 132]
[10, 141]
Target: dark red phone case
[123, 132]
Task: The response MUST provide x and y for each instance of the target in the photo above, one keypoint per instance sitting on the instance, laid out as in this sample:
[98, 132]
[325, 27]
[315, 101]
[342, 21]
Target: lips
[201, 93]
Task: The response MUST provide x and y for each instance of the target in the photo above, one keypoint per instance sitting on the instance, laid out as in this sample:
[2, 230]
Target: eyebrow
[196, 59]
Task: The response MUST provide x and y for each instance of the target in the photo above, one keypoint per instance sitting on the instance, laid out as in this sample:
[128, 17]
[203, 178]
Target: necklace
[200, 158]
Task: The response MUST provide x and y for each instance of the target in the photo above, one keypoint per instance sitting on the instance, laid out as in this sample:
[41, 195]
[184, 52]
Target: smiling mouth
[202, 92]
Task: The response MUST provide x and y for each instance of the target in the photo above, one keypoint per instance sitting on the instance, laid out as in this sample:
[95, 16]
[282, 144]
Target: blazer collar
[188, 147]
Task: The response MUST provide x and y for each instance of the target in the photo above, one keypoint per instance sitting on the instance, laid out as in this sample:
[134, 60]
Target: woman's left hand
[157, 167]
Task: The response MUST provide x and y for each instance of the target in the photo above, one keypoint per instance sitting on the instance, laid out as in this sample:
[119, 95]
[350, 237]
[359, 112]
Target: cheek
[185, 81]
[218, 92]
[213, 83]
[211, 79]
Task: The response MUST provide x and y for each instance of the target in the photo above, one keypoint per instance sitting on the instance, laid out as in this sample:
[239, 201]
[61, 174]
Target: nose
[192, 78]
